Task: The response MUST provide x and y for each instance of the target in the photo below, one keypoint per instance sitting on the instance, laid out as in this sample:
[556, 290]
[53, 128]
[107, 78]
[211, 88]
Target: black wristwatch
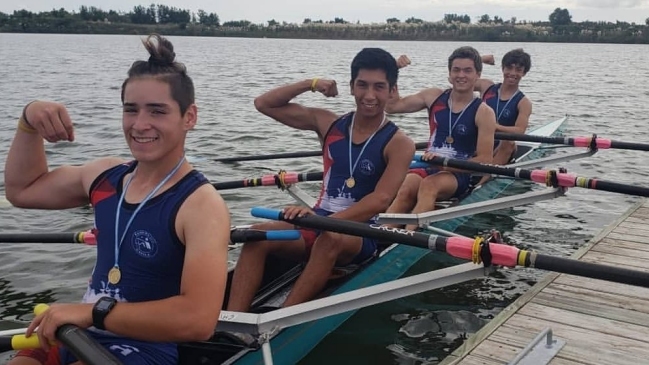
[101, 309]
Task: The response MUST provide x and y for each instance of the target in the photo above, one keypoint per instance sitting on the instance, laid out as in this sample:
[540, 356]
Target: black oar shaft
[543, 176]
[377, 232]
[592, 270]
[84, 347]
[277, 156]
[62, 237]
[270, 157]
[262, 181]
[630, 146]
[530, 138]
[597, 142]
[438, 243]
[618, 188]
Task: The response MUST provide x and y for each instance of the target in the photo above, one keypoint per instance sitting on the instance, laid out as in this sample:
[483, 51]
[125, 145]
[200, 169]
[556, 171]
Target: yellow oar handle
[20, 342]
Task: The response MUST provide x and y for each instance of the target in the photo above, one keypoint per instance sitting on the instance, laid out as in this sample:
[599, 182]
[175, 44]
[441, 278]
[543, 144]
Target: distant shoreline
[584, 32]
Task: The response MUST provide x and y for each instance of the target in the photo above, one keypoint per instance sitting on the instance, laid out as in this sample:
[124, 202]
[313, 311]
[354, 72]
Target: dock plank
[602, 322]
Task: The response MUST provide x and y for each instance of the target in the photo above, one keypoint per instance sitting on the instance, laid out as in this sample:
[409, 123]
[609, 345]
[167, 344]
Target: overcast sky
[367, 11]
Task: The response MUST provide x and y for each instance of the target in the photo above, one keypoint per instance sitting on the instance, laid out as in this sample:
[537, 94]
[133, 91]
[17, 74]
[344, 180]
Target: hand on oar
[592, 142]
[275, 156]
[78, 341]
[476, 250]
[548, 177]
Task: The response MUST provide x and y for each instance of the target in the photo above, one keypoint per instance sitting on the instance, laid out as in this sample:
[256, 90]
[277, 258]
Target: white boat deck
[601, 322]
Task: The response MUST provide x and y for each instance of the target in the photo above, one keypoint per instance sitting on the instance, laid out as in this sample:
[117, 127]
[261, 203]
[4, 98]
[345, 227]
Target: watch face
[104, 305]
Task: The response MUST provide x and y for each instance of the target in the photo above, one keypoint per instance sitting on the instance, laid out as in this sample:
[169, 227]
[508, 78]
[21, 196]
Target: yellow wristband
[313, 83]
[23, 126]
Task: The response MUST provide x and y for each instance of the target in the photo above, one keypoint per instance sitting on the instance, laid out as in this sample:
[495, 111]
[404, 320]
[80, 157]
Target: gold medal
[350, 182]
[114, 275]
[449, 140]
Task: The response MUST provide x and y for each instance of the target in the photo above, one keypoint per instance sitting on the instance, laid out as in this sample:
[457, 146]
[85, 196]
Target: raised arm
[481, 86]
[398, 154]
[277, 104]
[412, 103]
[203, 224]
[28, 181]
[524, 112]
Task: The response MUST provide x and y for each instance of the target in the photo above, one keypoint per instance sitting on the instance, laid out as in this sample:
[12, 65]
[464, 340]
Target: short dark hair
[162, 66]
[375, 59]
[466, 52]
[517, 57]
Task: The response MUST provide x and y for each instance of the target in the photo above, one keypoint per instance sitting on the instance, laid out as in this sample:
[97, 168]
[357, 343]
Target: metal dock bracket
[539, 352]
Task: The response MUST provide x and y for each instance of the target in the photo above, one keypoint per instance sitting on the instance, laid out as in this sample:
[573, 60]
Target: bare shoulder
[92, 169]
[485, 115]
[431, 94]
[400, 144]
[324, 119]
[203, 217]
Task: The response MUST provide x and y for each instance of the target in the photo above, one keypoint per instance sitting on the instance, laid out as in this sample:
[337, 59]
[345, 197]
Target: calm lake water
[599, 86]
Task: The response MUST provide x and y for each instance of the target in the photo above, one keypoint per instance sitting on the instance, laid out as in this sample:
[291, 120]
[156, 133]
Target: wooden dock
[601, 322]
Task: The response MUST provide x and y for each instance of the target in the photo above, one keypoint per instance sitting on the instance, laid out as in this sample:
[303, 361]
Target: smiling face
[371, 91]
[512, 74]
[153, 124]
[463, 74]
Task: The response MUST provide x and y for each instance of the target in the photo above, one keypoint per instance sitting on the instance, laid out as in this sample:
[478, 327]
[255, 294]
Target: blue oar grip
[285, 235]
[417, 158]
[262, 212]
[419, 165]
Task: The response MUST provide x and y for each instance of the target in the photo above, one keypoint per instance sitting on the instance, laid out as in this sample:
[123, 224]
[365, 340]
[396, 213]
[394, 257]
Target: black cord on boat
[554, 180]
[279, 179]
[593, 142]
[485, 252]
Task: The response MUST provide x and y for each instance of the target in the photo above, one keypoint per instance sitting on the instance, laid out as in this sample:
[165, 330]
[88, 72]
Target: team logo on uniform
[144, 244]
[506, 113]
[461, 129]
[367, 167]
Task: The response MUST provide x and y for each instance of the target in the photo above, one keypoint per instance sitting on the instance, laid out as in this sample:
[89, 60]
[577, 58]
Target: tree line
[457, 27]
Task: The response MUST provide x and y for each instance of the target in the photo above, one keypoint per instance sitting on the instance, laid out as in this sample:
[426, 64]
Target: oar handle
[248, 235]
[72, 337]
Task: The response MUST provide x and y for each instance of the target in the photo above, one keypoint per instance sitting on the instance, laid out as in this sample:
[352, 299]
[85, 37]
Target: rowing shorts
[130, 352]
[368, 248]
[463, 179]
[50, 357]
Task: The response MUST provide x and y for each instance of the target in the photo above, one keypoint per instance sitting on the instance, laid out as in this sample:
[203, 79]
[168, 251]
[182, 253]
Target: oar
[465, 248]
[548, 177]
[419, 146]
[594, 141]
[84, 347]
[88, 237]
[280, 180]
[85, 237]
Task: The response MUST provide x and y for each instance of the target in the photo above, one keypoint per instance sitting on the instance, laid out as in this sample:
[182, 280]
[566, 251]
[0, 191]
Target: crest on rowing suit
[366, 167]
[507, 113]
[144, 244]
[461, 129]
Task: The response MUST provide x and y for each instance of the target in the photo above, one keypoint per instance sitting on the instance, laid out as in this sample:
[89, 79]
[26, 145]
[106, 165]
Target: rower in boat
[461, 127]
[365, 160]
[162, 229]
[512, 107]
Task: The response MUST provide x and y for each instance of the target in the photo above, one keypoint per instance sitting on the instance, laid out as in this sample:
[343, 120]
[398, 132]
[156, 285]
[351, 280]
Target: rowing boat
[293, 343]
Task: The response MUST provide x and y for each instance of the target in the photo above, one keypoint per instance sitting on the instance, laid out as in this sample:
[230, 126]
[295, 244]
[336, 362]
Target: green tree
[393, 20]
[560, 17]
[484, 19]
